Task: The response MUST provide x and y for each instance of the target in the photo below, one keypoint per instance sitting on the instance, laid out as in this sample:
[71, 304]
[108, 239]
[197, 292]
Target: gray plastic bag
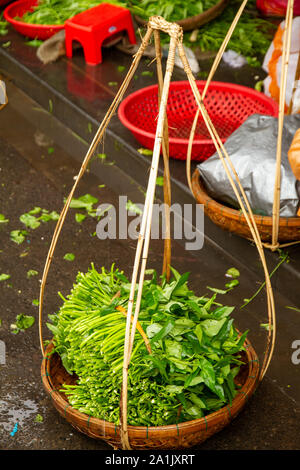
[252, 150]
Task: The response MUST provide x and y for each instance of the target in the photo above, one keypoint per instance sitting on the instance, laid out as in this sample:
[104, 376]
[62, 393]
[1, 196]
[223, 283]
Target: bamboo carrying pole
[144, 237]
[155, 25]
[283, 81]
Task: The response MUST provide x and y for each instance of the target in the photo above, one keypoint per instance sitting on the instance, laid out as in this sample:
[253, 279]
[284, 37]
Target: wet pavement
[31, 176]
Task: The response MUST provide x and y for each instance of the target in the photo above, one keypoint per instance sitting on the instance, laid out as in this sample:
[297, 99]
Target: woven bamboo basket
[194, 22]
[234, 220]
[170, 437]
[189, 433]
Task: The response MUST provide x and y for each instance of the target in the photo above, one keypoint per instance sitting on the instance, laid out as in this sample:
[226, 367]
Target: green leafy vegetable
[146, 152]
[34, 43]
[22, 323]
[69, 256]
[131, 207]
[84, 202]
[39, 418]
[160, 181]
[4, 277]
[3, 220]
[195, 349]
[80, 217]
[147, 73]
[31, 273]
[30, 221]
[18, 236]
[233, 272]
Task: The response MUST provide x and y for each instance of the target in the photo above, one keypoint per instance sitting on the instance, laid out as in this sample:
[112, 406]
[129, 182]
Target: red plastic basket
[228, 105]
[38, 31]
[4, 2]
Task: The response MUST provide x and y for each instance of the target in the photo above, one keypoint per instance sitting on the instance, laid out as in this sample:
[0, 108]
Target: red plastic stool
[93, 26]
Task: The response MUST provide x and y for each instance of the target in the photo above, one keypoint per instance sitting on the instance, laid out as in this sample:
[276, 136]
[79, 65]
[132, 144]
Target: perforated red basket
[228, 105]
[35, 31]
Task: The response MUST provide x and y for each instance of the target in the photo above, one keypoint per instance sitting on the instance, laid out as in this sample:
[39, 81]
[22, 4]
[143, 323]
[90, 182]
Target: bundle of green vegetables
[194, 349]
[251, 38]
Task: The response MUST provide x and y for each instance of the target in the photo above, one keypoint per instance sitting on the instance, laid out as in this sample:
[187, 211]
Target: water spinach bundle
[194, 349]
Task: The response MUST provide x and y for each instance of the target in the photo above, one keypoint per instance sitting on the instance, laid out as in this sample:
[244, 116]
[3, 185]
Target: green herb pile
[170, 10]
[195, 349]
[251, 37]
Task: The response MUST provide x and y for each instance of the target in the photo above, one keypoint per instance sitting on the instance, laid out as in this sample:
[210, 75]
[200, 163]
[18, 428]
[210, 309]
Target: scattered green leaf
[31, 273]
[160, 181]
[131, 207]
[18, 236]
[146, 152]
[233, 272]
[3, 220]
[69, 257]
[79, 217]
[23, 322]
[147, 73]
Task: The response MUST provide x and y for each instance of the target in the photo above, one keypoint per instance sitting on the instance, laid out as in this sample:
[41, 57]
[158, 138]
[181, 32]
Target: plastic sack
[272, 65]
[252, 150]
[276, 7]
[294, 155]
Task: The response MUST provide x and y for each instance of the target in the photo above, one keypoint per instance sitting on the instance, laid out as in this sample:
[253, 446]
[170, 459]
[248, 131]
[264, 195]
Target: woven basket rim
[30, 26]
[197, 20]
[202, 197]
[246, 390]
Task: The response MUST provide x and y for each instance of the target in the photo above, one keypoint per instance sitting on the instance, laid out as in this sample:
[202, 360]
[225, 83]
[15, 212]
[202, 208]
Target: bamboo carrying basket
[170, 437]
[234, 221]
[53, 374]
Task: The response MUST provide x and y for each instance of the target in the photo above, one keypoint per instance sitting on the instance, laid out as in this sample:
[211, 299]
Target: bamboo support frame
[246, 210]
[165, 148]
[144, 237]
[155, 25]
[209, 79]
